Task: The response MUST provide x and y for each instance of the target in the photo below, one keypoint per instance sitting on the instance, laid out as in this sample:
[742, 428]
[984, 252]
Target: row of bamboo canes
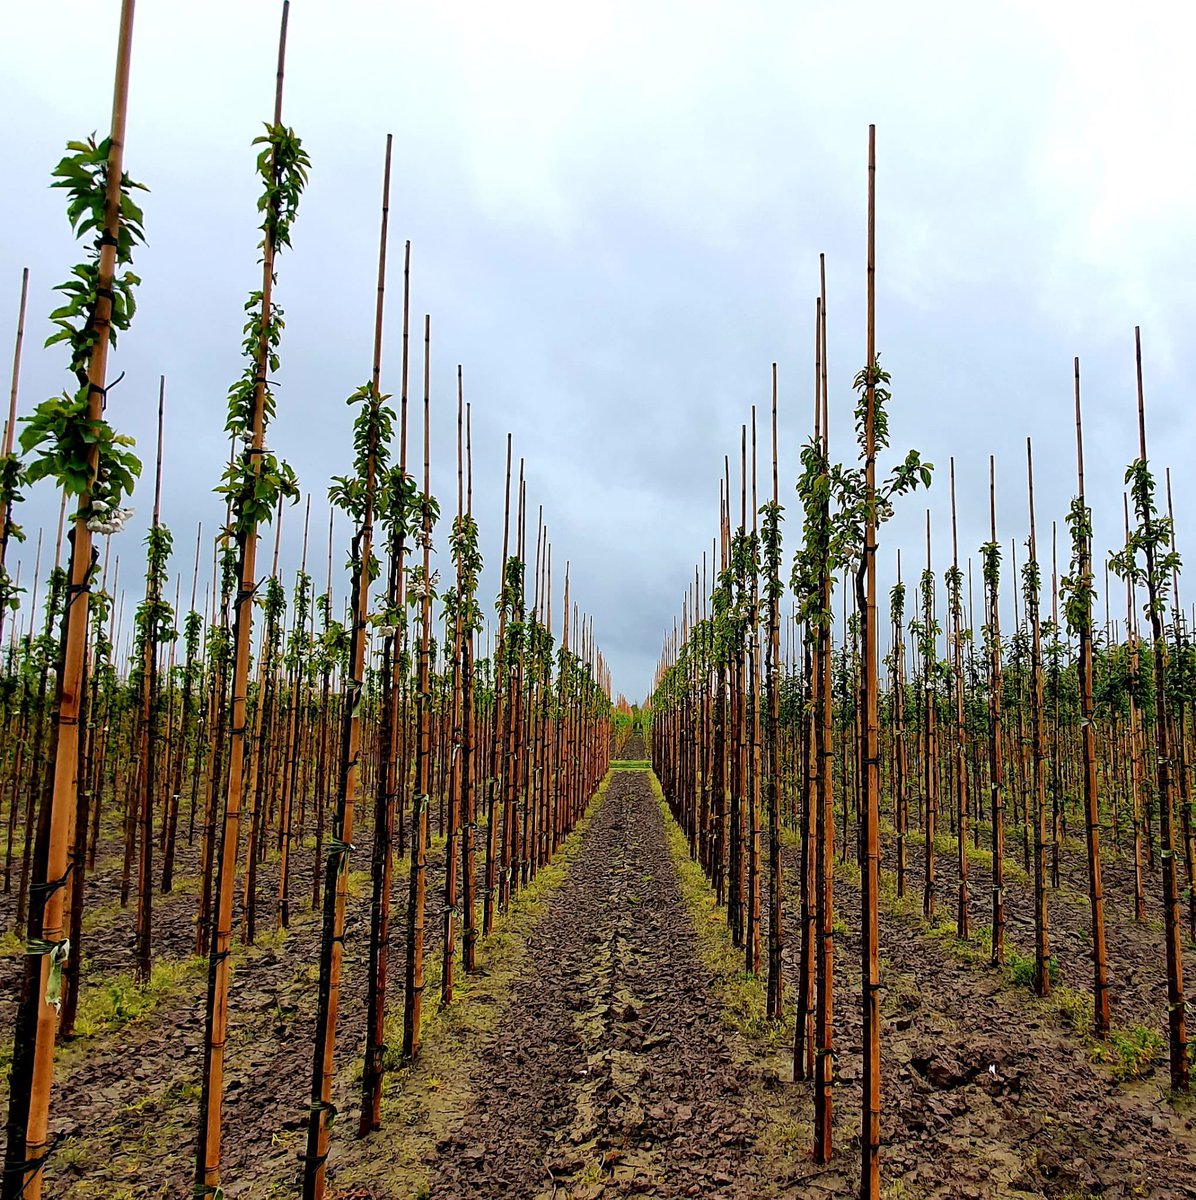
[251, 743]
[765, 730]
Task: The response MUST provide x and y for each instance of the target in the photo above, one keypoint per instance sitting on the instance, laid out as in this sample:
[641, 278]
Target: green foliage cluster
[1150, 540]
[1076, 587]
[84, 455]
[12, 478]
[154, 618]
[299, 643]
[463, 609]
[256, 479]
[83, 174]
[1130, 1053]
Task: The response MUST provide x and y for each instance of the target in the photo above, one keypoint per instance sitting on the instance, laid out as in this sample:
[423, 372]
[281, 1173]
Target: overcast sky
[616, 212]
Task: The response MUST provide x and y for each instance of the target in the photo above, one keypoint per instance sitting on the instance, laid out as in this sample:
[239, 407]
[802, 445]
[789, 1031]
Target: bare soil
[596, 1054]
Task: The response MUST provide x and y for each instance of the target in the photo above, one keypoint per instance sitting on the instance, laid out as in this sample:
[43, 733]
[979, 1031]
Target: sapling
[1031, 589]
[421, 591]
[400, 511]
[362, 496]
[154, 623]
[864, 506]
[990, 554]
[1149, 560]
[357, 496]
[1077, 590]
[954, 582]
[253, 483]
[770, 533]
[70, 441]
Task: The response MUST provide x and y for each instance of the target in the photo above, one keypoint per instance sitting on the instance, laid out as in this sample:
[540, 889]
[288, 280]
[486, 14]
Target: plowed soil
[600, 1052]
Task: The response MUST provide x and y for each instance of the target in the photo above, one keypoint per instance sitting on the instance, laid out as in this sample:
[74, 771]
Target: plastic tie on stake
[58, 953]
[50, 886]
[35, 1164]
[338, 848]
[58, 956]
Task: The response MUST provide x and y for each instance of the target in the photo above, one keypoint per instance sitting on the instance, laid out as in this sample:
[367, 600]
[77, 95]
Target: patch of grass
[273, 938]
[101, 915]
[947, 846]
[102, 1191]
[630, 764]
[591, 1172]
[73, 1154]
[1130, 1053]
[1077, 1010]
[980, 856]
[977, 949]
[899, 1189]
[786, 1138]
[743, 995]
[181, 1092]
[849, 870]
[114, 1001]
[1020, 967]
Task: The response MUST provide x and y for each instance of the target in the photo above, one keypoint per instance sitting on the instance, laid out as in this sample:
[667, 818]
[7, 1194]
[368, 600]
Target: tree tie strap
[323, 1106]
[50, 886]
[58, 953]
[244, 593]
[338, 848]
[33, 1165]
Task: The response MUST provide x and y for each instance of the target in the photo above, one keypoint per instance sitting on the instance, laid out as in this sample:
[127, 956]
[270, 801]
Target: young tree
[1150, 542]
[253, 483]
[72, 443]
[1077, 610]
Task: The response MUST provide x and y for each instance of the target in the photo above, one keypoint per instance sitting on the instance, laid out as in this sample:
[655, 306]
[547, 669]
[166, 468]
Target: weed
[116, 1000]
[1076, 1009]
[1020, 967]
[1131, 1053]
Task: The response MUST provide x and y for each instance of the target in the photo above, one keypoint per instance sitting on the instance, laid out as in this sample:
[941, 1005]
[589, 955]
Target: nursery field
[355, 881]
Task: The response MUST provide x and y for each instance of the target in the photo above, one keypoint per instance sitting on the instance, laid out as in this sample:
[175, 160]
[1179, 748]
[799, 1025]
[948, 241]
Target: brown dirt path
[611, 1073]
